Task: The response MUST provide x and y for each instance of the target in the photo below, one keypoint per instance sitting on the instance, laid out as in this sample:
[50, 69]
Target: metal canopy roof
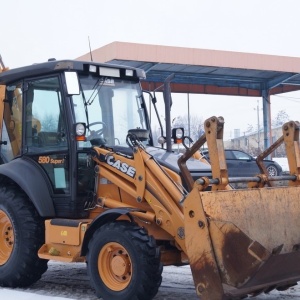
[205, 71]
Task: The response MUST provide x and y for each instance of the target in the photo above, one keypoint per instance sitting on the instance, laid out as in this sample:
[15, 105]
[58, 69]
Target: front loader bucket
[243, 242]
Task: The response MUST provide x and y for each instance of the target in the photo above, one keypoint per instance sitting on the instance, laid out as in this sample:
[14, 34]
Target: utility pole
[258, 126]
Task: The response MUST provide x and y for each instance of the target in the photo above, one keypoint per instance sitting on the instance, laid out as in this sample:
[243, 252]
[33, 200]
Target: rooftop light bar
[92, 69]
[116, 72]
[128, 72]
[103, 71]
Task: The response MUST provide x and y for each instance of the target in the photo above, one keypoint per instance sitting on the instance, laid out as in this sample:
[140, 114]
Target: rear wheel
[21, 236]
[272, 170]
[124, 262]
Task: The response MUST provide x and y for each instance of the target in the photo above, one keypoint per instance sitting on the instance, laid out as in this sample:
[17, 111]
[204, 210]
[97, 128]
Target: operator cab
[48, 105]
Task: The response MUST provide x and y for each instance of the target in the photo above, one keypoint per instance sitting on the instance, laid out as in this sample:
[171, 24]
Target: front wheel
[124, 262]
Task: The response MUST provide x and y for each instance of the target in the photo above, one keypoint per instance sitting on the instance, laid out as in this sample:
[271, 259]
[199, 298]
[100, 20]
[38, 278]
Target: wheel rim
[7, 237]
[272, 171]
[115, 267]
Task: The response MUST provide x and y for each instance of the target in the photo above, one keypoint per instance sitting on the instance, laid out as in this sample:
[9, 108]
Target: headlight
[80, 130]
[177, 135]
[161, 140]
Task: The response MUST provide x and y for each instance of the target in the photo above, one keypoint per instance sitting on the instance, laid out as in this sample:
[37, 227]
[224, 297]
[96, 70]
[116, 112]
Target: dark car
[241, 164]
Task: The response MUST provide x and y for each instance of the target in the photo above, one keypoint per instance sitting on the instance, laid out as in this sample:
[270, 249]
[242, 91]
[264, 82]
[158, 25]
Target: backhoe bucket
[243, 242]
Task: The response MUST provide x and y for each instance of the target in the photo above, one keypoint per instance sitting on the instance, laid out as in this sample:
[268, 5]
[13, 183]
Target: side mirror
[72, 83]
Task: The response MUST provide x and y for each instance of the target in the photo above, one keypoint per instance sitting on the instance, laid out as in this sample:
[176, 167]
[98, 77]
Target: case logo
[121, 166]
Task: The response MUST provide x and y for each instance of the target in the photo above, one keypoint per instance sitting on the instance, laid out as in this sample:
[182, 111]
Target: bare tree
[250, 128]
[280, 118]
[49, 122]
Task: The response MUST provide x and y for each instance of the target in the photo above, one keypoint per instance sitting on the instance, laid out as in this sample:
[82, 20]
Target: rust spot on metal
[200, 288]
[206, 278]
[241, 257]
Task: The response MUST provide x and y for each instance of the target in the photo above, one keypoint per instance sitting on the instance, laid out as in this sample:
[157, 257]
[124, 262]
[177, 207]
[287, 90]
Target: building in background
[253, 142]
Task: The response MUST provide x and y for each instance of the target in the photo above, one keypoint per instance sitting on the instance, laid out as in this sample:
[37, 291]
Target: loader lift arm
[152, 186]
[220, 180]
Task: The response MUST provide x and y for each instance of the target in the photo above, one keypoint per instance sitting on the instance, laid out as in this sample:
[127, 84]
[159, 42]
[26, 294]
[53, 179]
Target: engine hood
[169, 160]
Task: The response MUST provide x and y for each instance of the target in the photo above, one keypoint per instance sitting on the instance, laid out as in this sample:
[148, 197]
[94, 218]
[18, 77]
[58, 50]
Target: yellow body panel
[63, 243]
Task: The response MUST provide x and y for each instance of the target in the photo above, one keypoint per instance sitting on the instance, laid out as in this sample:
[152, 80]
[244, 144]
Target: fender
[30, 178]
[106, 217]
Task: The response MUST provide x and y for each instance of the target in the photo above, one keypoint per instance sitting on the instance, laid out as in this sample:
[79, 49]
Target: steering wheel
[96, 133]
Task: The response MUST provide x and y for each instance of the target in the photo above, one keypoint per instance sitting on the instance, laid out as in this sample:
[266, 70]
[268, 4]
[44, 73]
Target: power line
[293, 99]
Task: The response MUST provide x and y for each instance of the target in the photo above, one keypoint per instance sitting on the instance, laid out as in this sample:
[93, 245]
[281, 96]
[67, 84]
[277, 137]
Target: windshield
[110, 107]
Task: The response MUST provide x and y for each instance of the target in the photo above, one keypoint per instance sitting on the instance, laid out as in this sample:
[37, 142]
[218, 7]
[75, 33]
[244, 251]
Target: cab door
[46, 139]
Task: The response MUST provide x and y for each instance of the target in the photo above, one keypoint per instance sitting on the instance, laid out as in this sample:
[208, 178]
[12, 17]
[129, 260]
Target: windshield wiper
[85, 105]
[140, 110]
[96, 90]
[91, 98]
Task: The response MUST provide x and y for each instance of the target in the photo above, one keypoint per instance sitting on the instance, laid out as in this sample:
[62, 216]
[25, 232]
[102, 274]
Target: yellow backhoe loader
[81, 181]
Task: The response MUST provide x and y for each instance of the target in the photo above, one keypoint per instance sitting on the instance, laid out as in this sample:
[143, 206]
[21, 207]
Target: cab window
[45, 128]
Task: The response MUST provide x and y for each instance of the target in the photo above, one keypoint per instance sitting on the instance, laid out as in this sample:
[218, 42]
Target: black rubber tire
[145, 258]
[23, 267]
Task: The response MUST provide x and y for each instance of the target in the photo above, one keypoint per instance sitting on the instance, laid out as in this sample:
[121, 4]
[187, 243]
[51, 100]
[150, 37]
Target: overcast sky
[33, 31]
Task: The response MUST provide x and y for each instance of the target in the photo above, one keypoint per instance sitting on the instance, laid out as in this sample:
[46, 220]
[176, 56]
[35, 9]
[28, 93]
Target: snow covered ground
[23, 295]
[70, 281]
